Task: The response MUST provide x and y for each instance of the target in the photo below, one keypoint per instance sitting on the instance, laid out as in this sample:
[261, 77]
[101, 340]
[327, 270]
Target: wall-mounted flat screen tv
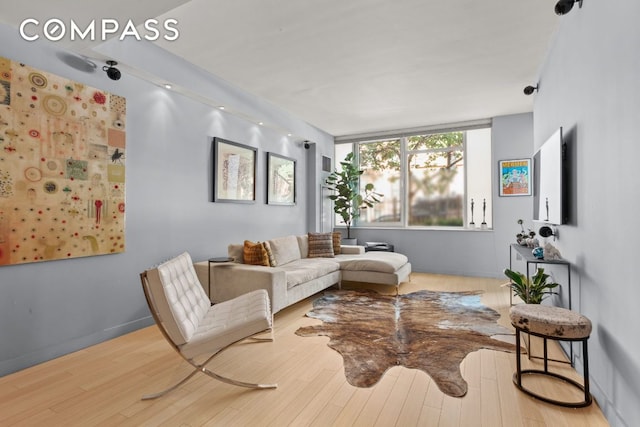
[549, 195]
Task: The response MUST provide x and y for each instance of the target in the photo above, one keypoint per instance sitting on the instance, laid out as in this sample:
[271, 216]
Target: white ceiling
[351, 66]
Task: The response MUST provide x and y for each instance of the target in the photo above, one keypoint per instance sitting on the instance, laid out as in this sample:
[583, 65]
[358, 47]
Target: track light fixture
[564, 6]
[530, 89]
[112, 72]
[546, 231]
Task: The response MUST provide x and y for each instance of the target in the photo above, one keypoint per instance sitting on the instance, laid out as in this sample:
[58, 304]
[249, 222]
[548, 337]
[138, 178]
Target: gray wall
[469, 252]
[590, 86]
[52, 308]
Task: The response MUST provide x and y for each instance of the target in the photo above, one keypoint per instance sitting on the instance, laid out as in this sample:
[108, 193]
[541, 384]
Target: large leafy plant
[531, 291]
[347, 200]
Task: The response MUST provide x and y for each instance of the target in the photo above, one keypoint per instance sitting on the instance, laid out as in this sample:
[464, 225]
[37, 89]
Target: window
[380, 161]
[435, 192]
[428, 179]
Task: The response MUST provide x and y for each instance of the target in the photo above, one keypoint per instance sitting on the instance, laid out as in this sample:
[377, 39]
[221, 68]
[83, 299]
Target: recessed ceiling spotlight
[221, 107]
[260, 123]
[167, 86]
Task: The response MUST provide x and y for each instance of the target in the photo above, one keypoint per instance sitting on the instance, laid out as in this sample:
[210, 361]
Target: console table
[527, 256]
[529, 259]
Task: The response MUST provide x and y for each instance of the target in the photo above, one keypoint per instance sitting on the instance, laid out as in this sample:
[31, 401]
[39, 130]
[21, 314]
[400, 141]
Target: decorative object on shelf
[281, 180]
[515, 177]
[551, 252]
[525, 238]
[530, 291]
[347, 202]
[472, 224]
[483, 225]
[532, 242]
[538, 252]
[234, 172]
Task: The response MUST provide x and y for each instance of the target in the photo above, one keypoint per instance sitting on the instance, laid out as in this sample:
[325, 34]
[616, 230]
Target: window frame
[403, 137]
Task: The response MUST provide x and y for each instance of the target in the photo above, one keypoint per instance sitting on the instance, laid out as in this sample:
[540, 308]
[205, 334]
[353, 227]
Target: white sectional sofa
[297, 276]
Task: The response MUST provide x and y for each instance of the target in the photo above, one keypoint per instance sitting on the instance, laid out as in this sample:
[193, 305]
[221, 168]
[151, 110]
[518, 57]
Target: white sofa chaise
[297, 276]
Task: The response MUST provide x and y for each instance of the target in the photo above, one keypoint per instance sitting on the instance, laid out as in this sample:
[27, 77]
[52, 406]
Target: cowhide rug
[426, 330]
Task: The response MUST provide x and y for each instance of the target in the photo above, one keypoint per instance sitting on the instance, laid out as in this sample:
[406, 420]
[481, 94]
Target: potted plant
[531, 291]
[347, 200]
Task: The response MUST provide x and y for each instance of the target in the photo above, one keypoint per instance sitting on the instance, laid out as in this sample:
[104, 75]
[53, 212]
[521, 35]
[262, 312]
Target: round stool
[557, 324]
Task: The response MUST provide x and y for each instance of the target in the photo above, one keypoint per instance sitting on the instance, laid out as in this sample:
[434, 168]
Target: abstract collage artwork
[62, 167]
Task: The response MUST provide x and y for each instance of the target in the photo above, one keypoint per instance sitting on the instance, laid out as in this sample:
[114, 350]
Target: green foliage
[531, 291]
[348, 201]
[436, 141]
[385, 155]
[380, 155]
[434, 161]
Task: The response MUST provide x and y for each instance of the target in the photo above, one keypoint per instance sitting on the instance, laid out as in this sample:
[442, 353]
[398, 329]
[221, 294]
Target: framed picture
[281, 180]
[234, 172]
[515, 177]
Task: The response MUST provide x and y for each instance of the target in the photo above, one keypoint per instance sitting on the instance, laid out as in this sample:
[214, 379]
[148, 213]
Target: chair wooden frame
[198, 367]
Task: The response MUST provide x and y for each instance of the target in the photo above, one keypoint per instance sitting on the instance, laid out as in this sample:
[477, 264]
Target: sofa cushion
[272, 259]
[255, 253]
[306, 269]
[285, 249]
[320, 245]
[303, 244]
[383, 262]
[236, 251]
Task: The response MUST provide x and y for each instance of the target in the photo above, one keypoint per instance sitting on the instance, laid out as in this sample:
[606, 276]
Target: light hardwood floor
[102, 385]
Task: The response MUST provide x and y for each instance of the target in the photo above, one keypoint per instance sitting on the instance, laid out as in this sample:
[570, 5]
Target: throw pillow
[337, 238]
[272, 259]
[235, 251]
[255, 253]
[285, 249]
[320, 245]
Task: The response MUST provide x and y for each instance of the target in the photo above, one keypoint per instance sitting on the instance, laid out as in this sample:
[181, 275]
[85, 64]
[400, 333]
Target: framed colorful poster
[515, 177]
[234, 172]
[281, 180]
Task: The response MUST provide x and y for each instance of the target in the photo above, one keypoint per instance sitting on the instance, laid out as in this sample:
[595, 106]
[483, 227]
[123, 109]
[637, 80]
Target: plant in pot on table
[530, 291]
[347, 200]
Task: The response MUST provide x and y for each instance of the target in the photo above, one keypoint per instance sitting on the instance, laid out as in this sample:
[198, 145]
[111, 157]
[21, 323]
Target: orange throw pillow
[255, 253]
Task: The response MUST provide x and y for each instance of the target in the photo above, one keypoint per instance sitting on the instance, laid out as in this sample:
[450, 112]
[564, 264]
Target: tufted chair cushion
[182, 302]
